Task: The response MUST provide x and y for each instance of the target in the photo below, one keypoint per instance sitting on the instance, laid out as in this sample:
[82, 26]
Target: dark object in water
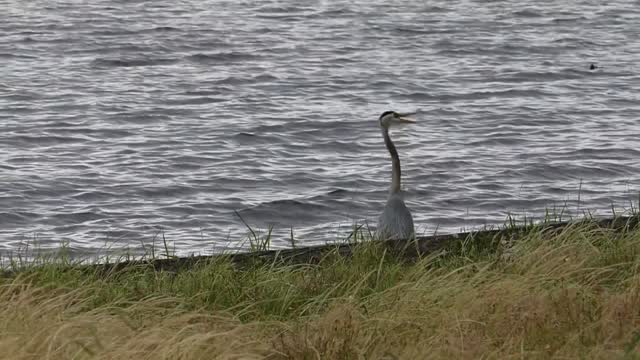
[592, 66]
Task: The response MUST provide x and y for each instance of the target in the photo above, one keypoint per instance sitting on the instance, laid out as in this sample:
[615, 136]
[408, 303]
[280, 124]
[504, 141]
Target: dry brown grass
[572, 295]
[58, 324]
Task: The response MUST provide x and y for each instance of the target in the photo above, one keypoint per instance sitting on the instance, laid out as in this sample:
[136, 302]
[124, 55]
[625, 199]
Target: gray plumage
[396, 221]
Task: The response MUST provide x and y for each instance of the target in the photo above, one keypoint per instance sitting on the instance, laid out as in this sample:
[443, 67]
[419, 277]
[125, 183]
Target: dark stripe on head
[386, 113]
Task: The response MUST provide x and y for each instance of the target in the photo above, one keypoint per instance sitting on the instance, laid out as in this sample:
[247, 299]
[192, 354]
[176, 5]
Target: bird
[395, 222]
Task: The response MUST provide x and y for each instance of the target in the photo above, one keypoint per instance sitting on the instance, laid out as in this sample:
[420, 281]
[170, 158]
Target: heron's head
[389, 118]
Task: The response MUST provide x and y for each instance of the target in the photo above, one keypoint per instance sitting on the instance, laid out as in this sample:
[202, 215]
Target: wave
[208, 58]
[132, 62]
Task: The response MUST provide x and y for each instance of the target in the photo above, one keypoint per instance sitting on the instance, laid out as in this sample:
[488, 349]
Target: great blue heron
[396, 221]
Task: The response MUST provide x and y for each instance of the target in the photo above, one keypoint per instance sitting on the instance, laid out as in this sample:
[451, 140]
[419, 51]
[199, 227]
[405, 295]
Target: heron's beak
[407, 118]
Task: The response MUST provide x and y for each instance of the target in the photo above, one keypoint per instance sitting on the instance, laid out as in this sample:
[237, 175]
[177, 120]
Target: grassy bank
[572, 293]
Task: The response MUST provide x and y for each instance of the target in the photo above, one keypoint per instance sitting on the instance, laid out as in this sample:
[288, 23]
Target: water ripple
[123, 119]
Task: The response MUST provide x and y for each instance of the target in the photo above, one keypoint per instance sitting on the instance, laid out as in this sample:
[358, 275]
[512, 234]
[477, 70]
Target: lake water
[123, 119]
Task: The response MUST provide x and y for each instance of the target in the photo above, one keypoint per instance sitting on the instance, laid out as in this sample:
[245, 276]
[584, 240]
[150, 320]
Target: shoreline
[407, 249]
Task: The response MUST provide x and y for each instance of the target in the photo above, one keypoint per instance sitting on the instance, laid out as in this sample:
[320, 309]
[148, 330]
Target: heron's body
[396, 221]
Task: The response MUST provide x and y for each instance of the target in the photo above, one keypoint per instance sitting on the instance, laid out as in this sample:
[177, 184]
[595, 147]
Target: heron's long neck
[395, 162]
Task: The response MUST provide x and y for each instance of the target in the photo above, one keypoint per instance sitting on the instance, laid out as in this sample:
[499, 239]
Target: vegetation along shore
[568, 290]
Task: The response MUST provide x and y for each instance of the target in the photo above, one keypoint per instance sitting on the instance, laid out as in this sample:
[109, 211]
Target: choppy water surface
[121, 118]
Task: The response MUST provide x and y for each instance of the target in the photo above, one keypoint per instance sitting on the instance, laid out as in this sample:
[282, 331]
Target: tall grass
[572, 293]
